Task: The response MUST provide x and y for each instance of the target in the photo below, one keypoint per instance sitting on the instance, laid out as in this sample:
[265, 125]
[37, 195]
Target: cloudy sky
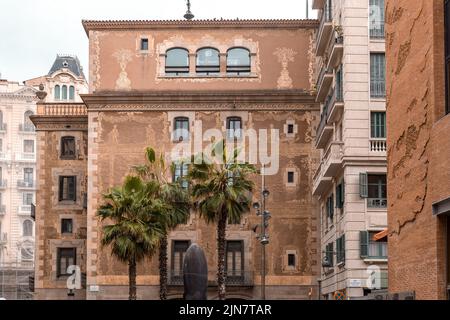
[32, 32]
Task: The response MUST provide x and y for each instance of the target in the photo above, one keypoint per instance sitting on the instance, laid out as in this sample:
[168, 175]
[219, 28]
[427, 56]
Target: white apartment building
[350, 181]
[64, 82]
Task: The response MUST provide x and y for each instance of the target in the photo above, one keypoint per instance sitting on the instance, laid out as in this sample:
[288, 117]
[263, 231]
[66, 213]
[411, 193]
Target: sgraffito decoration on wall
[123, 57]
[285, 55]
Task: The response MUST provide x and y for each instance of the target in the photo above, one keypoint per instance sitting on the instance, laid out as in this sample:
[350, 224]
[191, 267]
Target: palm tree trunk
[163, 268]
[132, 279]
[221, 242]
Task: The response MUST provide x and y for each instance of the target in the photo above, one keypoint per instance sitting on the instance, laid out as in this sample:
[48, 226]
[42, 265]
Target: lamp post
[263, 237]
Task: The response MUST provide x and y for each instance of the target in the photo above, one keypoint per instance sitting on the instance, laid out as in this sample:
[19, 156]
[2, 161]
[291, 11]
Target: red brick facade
[419, 147]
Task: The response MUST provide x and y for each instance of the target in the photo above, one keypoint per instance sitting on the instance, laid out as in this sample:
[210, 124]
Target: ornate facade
[147, 77]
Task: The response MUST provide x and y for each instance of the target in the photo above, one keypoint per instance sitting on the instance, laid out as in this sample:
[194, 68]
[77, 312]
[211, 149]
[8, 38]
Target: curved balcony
[325, 129]
[324, 82]
[325, 30]
[336, 51]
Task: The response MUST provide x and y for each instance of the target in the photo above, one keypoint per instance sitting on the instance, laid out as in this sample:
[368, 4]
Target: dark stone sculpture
[195, 273]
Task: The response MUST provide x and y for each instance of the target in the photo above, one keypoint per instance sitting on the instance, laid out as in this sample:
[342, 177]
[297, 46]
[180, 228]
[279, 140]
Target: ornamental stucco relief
[123, 57]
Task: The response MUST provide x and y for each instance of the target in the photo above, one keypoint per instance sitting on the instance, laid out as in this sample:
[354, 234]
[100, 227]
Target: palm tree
[137, 223]
[222, 188]
[176, 210]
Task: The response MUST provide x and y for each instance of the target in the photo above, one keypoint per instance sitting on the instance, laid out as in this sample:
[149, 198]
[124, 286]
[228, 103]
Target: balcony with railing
[324, 82]
[378, 88]
[325, 29]
[27, 156]
[377, 203]
[4, 156]
[24, 210]
[25, 184]
[325, 129]
[336, 104]
[378, 146]
[3, 127]
[377, 30]
[3, 184]
[320, 182]
[332, 159]
[336, 51]
[62, 109]
[26, 128]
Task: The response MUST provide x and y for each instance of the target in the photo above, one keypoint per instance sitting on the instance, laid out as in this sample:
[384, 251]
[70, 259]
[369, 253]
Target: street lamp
[263, 237]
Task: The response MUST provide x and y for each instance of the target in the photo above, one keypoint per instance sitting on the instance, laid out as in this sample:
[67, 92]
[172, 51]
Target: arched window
[71, 93]
[57, 92]
[28, 126]
[234, 127]
[27, 228]
[64, 92]
[181, 129]
[238, 61]
[177, 61]
[208, 61]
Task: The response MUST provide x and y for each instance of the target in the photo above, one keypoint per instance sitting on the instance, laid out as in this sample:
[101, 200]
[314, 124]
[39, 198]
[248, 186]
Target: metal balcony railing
[377, 30]
[25, 183]
[26, 127]
[377, 203]
[377, 88]
[324, 115]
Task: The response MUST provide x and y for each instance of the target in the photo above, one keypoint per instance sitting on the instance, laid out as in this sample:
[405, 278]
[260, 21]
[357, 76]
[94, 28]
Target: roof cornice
[201, 100]
[197, 24]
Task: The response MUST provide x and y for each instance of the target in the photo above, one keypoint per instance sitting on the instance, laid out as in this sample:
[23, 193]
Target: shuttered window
[364, 244]
[234, 259]
[378, 125]
[179, 249]
[363, 189]
[340, 195]
[377, 75]
[340, 249]
[67, 188]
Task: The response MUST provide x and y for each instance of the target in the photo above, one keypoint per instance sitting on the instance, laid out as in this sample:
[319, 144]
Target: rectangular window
[340, 249]
[447, 54]
[234, 259]
[180, 172]
[234, 128]
[340, 197]
[329, 250]
[28, 176]
[66, 226]
[144, 44]
[340, 84]
[27, 199]
[290, 129]
[65, 257]
[377, 191]
[377, 75]
[290, 177]
[376, 23]
[378, 125]
[330, 207]
[28, 146]
[67, 188]
[181, 129]
[68, 148]
[179, 248]
[291, 260]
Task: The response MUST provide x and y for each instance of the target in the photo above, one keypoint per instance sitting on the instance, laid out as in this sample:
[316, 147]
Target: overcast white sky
[32, 32]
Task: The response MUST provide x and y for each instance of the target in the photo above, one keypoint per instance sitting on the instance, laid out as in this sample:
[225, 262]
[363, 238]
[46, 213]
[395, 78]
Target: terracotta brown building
[148, 80]
[418, 69]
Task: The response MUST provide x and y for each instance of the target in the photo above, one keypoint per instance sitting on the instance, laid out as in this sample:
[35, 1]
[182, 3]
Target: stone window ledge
[216, 76]
[371, 260]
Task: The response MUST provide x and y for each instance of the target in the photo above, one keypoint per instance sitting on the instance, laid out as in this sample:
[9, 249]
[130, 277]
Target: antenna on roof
[188, 15]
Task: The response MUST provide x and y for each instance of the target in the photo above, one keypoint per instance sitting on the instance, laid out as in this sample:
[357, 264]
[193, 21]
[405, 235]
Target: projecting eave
[198, 24]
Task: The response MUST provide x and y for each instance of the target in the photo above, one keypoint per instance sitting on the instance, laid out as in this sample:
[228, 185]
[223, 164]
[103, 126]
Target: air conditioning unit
[326, 263]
